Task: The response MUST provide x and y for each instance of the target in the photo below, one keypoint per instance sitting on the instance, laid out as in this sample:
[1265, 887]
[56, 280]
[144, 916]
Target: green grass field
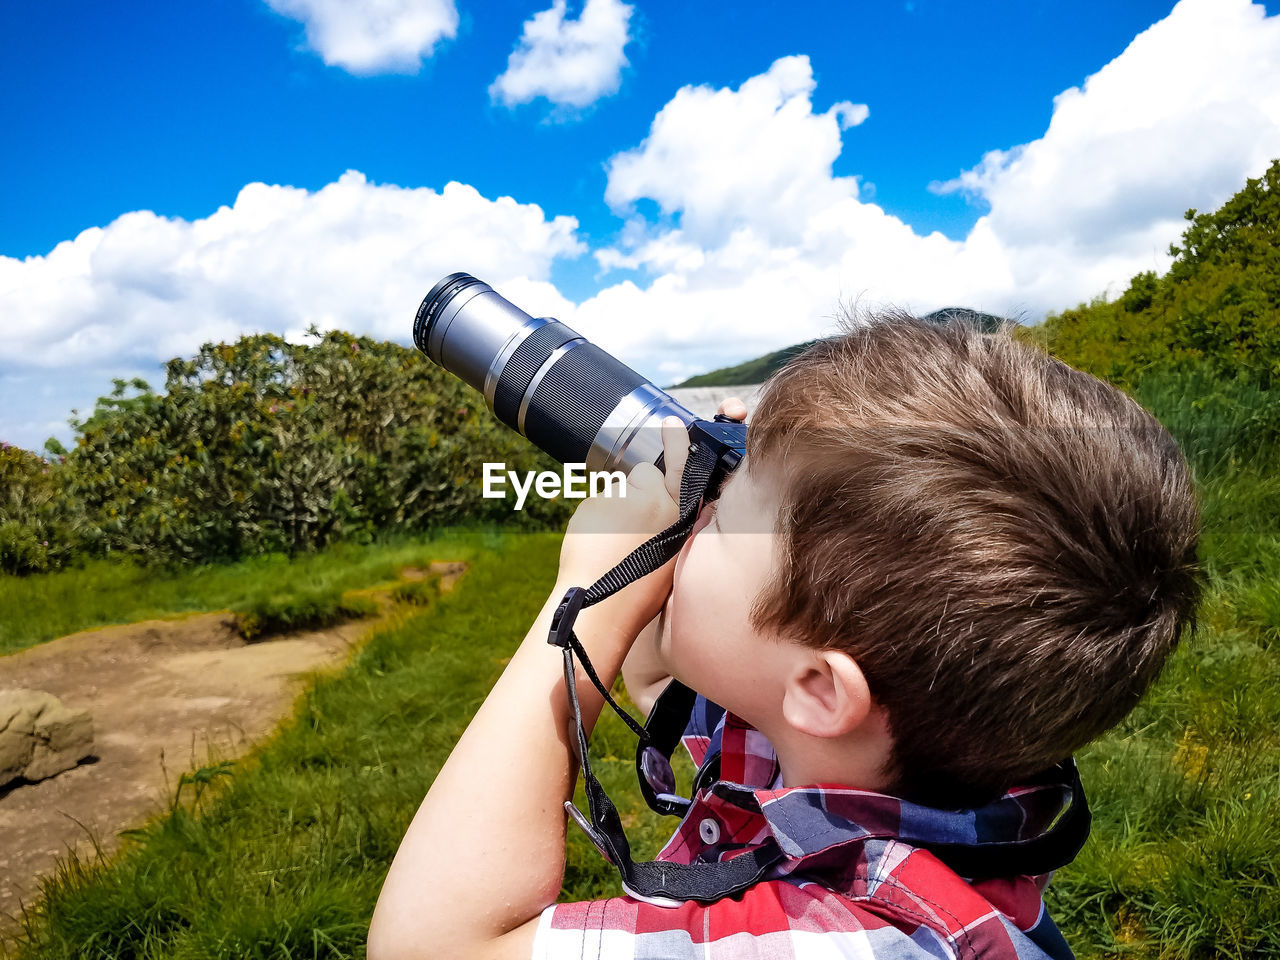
[37, 608]
[282, 854]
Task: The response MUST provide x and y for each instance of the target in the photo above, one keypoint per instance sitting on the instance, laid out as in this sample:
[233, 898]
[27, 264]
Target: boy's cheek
[679, 631]
[665, 637]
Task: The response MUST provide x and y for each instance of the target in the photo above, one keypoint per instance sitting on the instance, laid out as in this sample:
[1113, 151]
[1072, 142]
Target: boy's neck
[858, 759]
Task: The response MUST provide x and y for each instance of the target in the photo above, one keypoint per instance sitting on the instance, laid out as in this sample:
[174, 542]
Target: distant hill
[988, 322]
[762, 368]
[752, 371]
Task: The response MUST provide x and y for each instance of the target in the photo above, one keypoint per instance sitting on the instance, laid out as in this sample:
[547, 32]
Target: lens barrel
[540, 377]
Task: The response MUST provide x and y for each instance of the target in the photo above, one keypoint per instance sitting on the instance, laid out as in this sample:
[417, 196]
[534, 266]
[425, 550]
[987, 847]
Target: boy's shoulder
[794, 917]
[856, 877]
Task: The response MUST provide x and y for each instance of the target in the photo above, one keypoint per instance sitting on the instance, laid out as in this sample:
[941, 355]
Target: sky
[687, 185]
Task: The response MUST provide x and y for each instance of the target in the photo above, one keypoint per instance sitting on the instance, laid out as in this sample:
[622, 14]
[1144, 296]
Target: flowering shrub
[37, 524]
[264, 446]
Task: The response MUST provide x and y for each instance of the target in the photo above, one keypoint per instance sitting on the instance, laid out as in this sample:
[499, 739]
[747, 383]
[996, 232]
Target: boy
[946, 562]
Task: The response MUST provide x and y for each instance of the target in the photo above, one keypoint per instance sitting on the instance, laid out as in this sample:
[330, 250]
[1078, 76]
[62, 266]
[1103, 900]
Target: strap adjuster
[566, 613]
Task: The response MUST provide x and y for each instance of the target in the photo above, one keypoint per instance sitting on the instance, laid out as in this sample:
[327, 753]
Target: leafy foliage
[263, 446]
[1216, 310]
[37, 524]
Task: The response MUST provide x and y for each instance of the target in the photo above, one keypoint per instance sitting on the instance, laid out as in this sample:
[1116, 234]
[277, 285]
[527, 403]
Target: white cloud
[1178, 120]
[758, 240]
[757, 155]
[353, 255]
[373, 36]
[571, 63]
[121, 299]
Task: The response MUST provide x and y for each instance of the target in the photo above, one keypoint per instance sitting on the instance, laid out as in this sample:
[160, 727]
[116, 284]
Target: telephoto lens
[540, 377]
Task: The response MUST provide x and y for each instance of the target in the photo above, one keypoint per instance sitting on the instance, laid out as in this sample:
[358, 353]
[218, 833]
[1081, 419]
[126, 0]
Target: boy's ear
[826, 695]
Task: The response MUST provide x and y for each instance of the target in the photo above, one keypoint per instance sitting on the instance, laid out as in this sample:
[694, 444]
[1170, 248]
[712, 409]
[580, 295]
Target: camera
[571, 399]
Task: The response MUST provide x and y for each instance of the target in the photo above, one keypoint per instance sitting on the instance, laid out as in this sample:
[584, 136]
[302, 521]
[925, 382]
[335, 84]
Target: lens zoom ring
[524, 363]
[571, 403]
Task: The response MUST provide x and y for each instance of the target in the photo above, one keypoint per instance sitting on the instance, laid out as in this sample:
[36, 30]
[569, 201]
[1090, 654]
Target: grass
[416, 592]
[282, 855]
[37, 608]
[304, 610]
[1184, 858]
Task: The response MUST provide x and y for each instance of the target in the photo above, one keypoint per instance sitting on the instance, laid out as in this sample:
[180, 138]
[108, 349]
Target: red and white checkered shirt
[852, 884]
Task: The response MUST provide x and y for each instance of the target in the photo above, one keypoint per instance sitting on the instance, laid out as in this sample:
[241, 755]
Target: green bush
[38, 524]
[20, 552]
[1217, 310]
[263, 446]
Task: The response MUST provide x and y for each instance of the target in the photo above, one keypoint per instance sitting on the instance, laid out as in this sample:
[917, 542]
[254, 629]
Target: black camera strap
[653, 879]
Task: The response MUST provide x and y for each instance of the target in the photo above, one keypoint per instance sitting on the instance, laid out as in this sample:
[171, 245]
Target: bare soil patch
[163, 694]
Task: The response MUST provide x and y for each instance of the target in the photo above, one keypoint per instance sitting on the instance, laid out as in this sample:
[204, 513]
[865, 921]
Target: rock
[39, 737]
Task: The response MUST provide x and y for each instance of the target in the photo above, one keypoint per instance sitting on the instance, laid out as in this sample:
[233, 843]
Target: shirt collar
[809, 819]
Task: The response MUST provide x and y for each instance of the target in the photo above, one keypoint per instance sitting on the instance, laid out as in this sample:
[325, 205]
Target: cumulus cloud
[757, 240]
[723, 158]
[373, 36]
[354, 255]
[1178, 120]
[754, 245]
[571, 63]
[119, 300]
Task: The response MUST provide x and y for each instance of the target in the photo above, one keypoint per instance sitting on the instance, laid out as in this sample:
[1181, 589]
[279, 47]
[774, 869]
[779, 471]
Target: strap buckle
[566, 613]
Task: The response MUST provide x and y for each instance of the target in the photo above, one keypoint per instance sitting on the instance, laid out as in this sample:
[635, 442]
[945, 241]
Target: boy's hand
[520, 747]
[603, 530]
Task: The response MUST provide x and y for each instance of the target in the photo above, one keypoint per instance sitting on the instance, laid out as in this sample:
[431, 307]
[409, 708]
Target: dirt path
[163, 693]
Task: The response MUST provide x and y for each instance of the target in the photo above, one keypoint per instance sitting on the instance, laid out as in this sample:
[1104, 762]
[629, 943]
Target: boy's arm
[484, 854]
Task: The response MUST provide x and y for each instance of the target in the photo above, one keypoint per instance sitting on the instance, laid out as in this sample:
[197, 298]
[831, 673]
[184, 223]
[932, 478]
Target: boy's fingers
[733, 407]
[675, 451]
[644, 476]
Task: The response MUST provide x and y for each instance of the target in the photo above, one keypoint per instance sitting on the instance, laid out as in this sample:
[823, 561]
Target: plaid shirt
[852, 883]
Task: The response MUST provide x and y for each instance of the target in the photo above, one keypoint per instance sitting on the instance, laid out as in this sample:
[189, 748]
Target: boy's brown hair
[1006, 545]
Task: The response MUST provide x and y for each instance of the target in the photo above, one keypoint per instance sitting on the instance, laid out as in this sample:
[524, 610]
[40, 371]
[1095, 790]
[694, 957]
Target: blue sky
[173, 108]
